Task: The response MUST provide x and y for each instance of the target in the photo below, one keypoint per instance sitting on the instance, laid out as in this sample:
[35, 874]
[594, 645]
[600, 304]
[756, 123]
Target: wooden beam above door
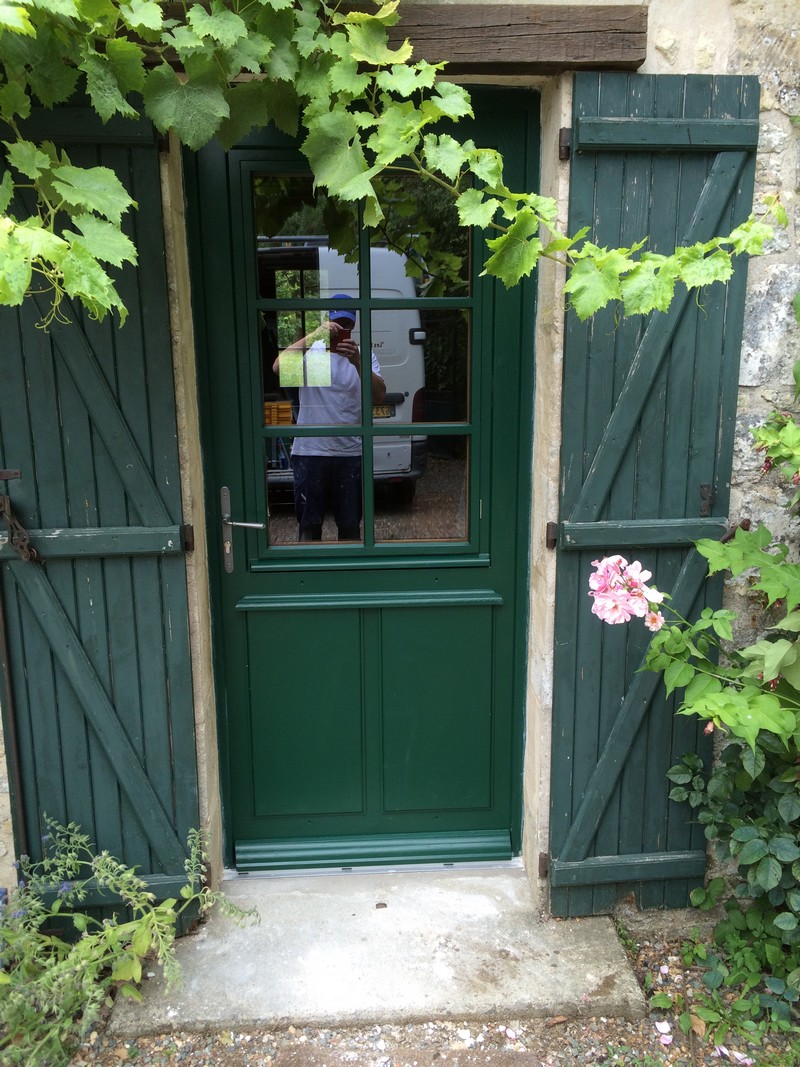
[525, 38]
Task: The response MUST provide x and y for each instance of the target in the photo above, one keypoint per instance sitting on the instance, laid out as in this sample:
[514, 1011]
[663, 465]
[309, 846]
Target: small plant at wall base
[749, 801]
[60, 968]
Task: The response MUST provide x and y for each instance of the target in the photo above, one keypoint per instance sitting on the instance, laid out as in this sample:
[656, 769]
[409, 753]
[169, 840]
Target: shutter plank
[723, 177]
[109, 422]
[628, 720]
[99, 712]
[643, 429]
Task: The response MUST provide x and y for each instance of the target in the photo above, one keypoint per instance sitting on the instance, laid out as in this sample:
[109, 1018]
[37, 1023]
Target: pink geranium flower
[654, 620]
[620, 592]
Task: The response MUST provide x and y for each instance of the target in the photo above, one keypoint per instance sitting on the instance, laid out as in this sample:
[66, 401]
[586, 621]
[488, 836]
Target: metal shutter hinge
[551, 535]
[564, 142]
[544, 861]
[188, 537]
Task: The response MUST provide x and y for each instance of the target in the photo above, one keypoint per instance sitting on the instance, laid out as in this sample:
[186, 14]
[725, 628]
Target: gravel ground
[656, 1040]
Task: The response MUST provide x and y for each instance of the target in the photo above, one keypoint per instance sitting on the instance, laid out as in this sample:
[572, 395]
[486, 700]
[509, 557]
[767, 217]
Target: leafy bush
[749, 802]
[59, 967]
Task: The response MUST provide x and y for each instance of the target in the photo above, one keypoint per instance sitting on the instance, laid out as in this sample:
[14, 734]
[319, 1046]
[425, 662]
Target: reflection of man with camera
[327, 470]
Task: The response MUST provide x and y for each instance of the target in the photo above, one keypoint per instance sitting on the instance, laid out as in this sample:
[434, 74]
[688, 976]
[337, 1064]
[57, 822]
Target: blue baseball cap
[342, 314]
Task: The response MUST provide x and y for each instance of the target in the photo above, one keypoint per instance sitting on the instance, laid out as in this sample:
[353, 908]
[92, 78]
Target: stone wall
[760, 37]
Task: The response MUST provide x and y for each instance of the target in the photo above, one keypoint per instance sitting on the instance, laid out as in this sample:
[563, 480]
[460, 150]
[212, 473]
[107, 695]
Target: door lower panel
[462, 847]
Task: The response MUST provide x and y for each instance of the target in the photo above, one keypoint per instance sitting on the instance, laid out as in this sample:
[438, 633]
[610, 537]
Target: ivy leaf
[486, 164]
[750, 237]
[369, 43]
[283, 61]
[399, 80]
[14, 17]
[452, 100]
[194, 110]
[6, 191]
[51, 78]
[103, 240]
[188, 44]
[27, 158]
[142, 14]
[345, 75]
[591, 288]
[517, 251]
[248, 104]
[474, 209]
[444, 154]
[96, 189]
[220, 24]
[67, 8]
[103, 89]
[15, 270]
[14, 101]
[85, 280]
[250, 54]
[646, 288]
[396, 135]
[704, 270]
[126, 59]
[334, 150]
[38, 242]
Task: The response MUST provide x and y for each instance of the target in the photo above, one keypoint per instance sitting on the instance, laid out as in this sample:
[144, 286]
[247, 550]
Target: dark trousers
[327, 484]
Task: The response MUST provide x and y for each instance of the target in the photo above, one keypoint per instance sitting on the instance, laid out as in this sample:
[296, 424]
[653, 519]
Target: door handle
[227, 528]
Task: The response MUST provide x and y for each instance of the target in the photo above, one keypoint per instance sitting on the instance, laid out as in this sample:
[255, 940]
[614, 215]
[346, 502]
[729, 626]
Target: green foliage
[749, 803]
[59, 966]
[364, 108]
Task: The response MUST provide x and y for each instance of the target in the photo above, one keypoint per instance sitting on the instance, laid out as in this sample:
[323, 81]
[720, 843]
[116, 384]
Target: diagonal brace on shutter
[101, 715]
[604, 778]
[719, 187]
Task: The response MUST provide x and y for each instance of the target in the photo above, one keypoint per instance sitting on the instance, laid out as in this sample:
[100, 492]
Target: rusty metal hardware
[731, 533]
[19, 538]
[7, 475]
[707, 499]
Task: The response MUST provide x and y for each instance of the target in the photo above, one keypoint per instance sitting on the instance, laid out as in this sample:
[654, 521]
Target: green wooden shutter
[97, 631]
[648, 415]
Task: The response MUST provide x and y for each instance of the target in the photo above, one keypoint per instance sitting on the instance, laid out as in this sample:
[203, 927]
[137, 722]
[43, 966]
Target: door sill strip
[230, 875]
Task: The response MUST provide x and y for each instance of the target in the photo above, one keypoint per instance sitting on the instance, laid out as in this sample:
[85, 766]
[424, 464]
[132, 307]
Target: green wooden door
[370, 688]
[647, 444]
[99, 717]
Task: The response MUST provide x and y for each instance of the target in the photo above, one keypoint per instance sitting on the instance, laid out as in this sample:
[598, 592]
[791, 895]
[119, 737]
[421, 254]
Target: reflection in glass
[313, 497]
[294, 251]
[432, 507]
[424, 356]
[421, 223]
[304, 238]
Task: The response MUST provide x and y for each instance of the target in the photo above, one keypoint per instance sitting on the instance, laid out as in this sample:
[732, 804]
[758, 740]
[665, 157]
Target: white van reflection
[302, 267]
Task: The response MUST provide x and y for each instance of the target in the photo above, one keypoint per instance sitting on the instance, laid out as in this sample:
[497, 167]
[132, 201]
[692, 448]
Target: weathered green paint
[688, 135]
[98, 630]
[371, 695]
[648, 423]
